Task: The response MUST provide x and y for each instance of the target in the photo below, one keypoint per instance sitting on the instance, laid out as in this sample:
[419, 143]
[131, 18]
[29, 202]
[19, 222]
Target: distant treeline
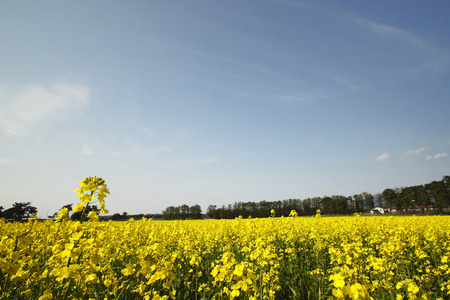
[333, 205]
[183, 212]
[433, 196]
[125, 217]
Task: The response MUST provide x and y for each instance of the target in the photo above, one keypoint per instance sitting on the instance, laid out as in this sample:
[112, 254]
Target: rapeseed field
[351, 257]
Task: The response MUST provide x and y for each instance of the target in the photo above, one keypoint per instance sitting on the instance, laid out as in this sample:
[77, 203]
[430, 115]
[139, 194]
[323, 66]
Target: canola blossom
[90, 188]
[274, 258]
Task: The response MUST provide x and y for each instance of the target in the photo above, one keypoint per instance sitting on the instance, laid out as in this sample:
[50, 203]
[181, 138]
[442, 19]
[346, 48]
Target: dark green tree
[195, 212]
[264, 208]
[378, 198]
[184, 210]
[20, 211]
[116, 217]
[211, 211]
[439, 193]
[307, 206]
[358, 199]
[389, 198]
[369, 202]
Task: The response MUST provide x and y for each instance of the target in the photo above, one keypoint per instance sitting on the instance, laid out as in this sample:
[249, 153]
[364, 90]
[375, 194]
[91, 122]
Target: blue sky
[214, 102]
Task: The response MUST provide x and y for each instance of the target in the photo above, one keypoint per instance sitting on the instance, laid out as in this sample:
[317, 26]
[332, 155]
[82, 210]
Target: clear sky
[214, 102]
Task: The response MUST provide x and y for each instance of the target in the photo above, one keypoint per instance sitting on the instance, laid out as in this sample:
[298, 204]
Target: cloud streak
[400, 34]
[298, 99]
[6, 161]
[384, 157]
[436, 156]
[415, 152]
[26, 105]
[378, 28]
[439, 60]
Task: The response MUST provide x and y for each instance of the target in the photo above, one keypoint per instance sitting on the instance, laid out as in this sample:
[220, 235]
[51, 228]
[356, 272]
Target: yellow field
[275, 258]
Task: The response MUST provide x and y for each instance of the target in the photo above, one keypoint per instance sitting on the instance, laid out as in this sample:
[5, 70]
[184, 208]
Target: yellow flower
[338, 293]
[234, 294]
[293, 213]
[92, 278]
[78, 208]
[129, 270]
[413, 288]
[63, 214]
[46, 296]
[355, 291]
[95, 187]
[239, 270]
[338, 280]
[93, 216]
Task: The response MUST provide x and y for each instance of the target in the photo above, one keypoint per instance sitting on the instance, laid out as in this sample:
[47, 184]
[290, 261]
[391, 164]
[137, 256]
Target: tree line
[125, 217]
[329, 205]
[433, 196]
[183, 212]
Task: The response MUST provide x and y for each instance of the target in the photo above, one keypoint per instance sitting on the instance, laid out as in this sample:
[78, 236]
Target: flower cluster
[293, 213]
[90, 188]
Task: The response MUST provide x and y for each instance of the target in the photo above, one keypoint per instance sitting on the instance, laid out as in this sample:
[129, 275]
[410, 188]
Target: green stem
[120, 294]
[84, 209]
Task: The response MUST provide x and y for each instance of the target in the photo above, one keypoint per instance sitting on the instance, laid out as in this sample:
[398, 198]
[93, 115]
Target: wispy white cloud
[436, 156]
[86, 150]
[394, 32]
[345, 80]
[384, 157]
[438, 60]
[6, 161]
[435, 66]
[212, 56]
[415, 152]
[25, 105]
[298, 99]
[378, 28]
